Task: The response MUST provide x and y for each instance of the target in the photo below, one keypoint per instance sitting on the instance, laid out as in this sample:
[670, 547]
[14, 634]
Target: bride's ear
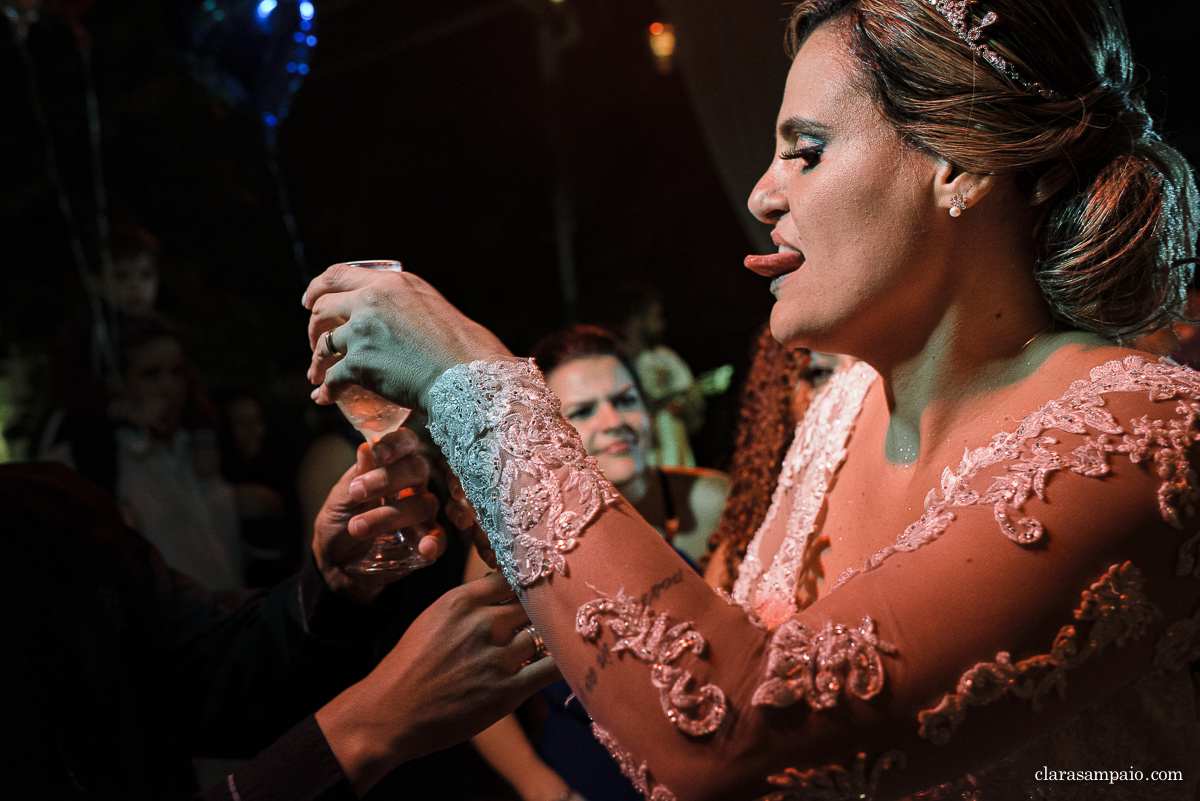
[956, 191]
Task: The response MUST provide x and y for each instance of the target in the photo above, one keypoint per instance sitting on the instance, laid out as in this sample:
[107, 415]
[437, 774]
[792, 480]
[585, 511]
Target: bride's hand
[391, 332]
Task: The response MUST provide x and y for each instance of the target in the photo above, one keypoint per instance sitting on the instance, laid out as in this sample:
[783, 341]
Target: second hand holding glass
[374, 416]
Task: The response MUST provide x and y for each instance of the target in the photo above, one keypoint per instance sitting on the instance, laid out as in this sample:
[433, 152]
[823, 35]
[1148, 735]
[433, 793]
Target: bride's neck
[925, 392]
[984, 325]
[989, 336]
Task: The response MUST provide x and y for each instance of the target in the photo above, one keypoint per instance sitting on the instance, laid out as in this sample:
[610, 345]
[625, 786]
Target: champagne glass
[374, 416]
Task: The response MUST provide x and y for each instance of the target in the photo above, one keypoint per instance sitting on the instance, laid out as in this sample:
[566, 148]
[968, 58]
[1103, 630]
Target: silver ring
[333, 351]
[540, 651]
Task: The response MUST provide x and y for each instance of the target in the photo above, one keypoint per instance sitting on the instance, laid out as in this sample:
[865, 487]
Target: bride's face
[850, 204]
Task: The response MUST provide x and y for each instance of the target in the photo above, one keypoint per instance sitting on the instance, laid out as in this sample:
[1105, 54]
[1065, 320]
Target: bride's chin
[808, 339]
[787, 330]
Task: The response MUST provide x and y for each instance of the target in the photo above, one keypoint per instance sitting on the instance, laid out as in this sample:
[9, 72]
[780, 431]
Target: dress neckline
[820, 445]
[809, 471]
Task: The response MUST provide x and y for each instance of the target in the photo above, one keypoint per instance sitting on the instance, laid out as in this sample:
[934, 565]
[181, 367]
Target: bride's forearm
[615, 604]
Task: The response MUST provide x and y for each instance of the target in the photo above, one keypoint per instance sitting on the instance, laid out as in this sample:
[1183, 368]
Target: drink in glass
[374, 416]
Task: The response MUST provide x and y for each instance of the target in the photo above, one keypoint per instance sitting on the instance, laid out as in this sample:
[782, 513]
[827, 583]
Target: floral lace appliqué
[817, 667]
[809, 469]
[650, 637]
[518, 460]
[833, 783]
[1079, 410]
[1118, 611]
[635, 771]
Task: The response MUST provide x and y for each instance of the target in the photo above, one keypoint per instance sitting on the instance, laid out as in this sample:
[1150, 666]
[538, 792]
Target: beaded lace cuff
[522, 466]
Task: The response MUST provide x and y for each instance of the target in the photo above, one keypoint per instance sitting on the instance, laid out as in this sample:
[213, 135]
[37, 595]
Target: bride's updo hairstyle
[1116, 232]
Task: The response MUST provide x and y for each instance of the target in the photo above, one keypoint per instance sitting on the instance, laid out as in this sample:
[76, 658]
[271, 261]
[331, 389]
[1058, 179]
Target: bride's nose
[768, 200]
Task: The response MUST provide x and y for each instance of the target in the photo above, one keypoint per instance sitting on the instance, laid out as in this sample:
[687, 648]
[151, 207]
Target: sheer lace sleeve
[1051, 574]
[520, 463]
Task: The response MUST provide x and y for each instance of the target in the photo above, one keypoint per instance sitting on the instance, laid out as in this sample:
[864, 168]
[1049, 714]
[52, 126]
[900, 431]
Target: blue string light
[273, 14]
[246, 51]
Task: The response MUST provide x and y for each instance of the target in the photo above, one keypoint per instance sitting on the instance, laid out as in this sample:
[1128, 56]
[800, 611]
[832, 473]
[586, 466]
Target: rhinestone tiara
[955, 12]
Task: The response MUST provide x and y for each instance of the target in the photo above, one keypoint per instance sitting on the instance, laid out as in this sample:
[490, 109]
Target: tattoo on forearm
[658, 589]
[604, 653]
[592, 677]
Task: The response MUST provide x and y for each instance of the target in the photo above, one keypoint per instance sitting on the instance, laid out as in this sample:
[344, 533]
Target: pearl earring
[957, 205]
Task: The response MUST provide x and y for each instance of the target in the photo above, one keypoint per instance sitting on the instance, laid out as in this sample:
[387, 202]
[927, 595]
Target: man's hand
[352, 517]
[461, 666]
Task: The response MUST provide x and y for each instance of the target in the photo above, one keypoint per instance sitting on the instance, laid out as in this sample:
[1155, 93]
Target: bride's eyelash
[811, 155]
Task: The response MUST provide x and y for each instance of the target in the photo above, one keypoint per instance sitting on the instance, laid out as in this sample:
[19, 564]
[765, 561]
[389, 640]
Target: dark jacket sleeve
[249, 665]
[118, 669]
[298, 767]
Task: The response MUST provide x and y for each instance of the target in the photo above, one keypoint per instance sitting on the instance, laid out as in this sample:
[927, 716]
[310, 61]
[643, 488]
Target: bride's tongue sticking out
[770, 265]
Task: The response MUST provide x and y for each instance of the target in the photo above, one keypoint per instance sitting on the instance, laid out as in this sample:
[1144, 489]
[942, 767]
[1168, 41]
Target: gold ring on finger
[333, 351]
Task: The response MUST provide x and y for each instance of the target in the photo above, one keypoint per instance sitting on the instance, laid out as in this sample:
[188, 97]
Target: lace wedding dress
[1038, 616]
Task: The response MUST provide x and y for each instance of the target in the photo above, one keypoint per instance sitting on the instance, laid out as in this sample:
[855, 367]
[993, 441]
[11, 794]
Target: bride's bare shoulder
[1083, 363]
[1099, 444]
[1112, 411]
[1075, 371]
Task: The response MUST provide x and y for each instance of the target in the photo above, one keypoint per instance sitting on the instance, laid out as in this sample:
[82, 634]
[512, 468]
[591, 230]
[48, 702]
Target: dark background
[436, 132]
